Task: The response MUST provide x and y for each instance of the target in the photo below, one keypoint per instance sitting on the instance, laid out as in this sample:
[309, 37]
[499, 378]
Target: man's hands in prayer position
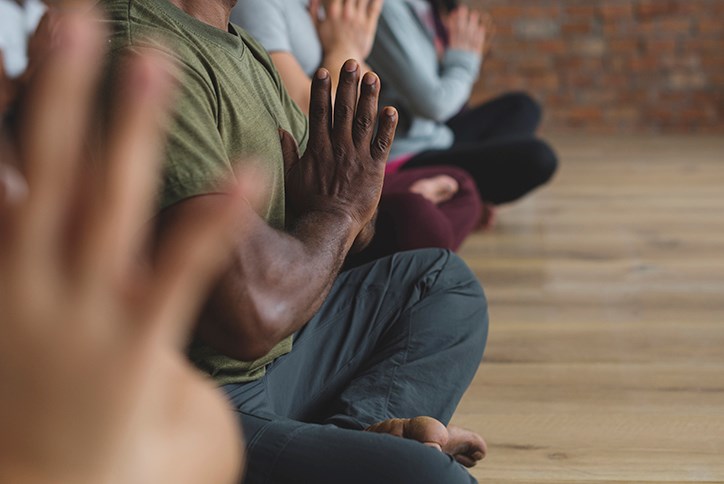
[343, 168]
[278, 280]
[95, 388]
[470, 30]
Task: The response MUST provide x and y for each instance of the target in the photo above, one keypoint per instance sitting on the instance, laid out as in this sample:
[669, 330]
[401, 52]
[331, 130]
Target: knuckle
[381, 144]
[341, 152]
[343, 110]
[318, 111]
[364, 123]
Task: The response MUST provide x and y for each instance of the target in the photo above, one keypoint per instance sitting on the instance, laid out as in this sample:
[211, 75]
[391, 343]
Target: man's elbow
[249, 336]
[248, 348]
[433, 110]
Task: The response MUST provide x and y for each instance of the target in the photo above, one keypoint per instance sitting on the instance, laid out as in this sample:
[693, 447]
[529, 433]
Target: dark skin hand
[278, 280]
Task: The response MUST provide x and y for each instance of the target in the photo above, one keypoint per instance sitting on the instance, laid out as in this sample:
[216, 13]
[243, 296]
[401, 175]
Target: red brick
[647, 9]
[615, 10]
[612, 65]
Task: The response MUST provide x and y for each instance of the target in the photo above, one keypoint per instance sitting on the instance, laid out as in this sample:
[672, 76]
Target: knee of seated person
[522, 104]
[545, 161]
[460, 278]
[418, 223]
[454, 274]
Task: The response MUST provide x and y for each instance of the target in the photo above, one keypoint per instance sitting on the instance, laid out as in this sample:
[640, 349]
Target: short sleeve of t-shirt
[196, 160]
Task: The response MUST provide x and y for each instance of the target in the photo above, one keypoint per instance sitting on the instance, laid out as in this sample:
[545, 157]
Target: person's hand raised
[346, 28]
[343, 168]
[95, 388]
[470, 30]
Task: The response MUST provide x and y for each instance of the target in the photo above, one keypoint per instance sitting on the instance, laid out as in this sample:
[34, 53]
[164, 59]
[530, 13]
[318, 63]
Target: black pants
[495, 143]
[400, 337]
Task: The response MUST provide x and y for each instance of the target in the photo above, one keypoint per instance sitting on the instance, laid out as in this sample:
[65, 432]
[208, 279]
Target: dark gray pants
[399, 337]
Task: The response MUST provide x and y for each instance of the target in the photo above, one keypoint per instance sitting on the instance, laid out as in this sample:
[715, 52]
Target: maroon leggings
[408, 221]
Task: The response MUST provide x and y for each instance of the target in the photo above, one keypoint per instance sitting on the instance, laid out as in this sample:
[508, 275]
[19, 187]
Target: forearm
[275, 284]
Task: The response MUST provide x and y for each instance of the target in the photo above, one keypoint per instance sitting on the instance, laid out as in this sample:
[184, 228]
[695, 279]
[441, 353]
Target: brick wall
[611, 66]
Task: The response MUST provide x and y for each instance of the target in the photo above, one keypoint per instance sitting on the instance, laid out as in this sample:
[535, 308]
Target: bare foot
[465, 446]
[438, 189]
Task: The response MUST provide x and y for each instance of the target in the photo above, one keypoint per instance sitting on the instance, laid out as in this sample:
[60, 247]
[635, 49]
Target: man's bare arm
[277, 281]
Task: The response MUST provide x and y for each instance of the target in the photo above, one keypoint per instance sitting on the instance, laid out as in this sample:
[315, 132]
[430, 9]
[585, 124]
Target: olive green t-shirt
[231, 105]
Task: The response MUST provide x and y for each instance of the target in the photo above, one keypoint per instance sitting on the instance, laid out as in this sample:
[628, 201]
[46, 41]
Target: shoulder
[259, 14]
[256, 9]
[266, 21]
[134, 26]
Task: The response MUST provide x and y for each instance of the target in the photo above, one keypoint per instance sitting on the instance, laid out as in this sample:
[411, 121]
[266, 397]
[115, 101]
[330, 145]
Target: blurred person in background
[429, 55]
[435, 206]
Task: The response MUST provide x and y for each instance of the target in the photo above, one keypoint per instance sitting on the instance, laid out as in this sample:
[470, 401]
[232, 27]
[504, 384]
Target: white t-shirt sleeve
[265, 21]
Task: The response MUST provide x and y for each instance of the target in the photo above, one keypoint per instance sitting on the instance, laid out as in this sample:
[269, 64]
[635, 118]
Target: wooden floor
[605, 361]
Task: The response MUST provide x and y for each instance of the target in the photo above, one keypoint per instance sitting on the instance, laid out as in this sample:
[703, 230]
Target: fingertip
[370, 79]
[390, 112]
[351, 66]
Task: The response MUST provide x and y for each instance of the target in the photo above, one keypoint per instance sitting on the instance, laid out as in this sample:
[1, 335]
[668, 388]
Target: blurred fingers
[461, 17]
[314, 7]
[474, 24]
[333, 9]
[350, 9]
[53, 124]
[374, 9]
[126, 197]
[362, 8]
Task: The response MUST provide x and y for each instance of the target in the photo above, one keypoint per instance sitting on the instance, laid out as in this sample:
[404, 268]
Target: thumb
[290, 150]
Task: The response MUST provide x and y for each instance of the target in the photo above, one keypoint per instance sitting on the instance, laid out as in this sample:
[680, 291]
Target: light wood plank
[605, 360]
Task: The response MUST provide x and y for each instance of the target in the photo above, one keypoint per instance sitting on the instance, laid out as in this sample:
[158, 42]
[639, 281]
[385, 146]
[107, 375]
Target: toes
[465, 460]
[426, 430]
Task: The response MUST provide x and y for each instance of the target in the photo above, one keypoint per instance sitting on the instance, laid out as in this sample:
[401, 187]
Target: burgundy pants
[408, 221]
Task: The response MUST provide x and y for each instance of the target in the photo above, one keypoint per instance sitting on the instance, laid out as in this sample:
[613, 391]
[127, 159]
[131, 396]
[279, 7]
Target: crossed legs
[397, 338]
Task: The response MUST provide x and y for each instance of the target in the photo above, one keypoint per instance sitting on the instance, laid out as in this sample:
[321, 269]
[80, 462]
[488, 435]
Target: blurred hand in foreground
[95, 388]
